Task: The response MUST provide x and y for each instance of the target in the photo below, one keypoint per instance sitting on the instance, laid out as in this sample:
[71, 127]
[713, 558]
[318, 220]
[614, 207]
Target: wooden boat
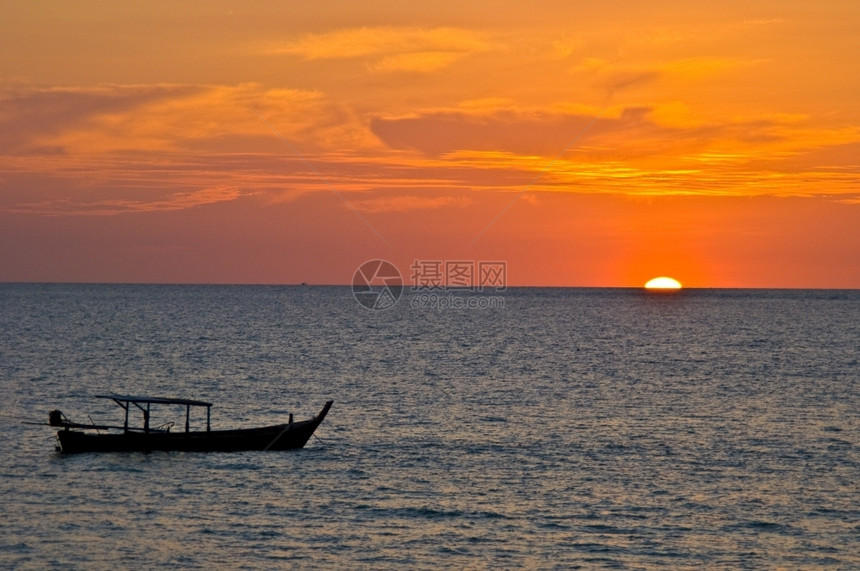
[74, 437]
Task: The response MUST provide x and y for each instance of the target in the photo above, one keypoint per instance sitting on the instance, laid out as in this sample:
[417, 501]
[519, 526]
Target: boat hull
[276, 437]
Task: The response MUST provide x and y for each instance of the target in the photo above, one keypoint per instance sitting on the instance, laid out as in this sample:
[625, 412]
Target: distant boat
[75, 437]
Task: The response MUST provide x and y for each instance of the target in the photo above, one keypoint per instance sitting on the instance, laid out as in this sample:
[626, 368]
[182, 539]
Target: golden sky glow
[585, 144]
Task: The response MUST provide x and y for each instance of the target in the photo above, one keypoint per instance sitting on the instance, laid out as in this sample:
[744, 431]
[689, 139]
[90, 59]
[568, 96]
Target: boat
[76, 437]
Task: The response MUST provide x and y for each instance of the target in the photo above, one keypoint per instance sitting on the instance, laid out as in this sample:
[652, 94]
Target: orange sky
[584, 144]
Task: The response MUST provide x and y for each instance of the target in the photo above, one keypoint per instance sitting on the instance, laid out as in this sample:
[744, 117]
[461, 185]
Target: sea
[536, 428]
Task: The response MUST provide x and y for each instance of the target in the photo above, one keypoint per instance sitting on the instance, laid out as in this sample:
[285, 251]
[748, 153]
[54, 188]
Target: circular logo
[377, 284]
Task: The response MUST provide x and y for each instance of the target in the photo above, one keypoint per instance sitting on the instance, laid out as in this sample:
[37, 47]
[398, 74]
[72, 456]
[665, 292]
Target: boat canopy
[126, 401]
[154, 400]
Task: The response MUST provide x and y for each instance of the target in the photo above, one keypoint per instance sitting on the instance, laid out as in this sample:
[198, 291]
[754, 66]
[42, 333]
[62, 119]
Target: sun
[663, 284]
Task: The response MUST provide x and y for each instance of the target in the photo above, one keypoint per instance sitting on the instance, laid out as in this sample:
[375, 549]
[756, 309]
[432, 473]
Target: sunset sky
[582, 143]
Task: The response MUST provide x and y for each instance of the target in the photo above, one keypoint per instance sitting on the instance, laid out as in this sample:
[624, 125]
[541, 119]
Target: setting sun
[663, 283]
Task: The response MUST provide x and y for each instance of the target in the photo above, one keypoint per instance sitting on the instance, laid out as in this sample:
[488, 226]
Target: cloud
[564, 47]
[405, 203]
[28, 115]
[521, 132]
[419, 62]
[169, 118]
[615, 76]
[82, 205]
[124, 149]
[115, 149]
[390, 48]
[667, 149]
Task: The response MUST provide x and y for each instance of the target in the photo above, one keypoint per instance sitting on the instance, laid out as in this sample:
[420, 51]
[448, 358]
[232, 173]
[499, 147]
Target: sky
[580, 143]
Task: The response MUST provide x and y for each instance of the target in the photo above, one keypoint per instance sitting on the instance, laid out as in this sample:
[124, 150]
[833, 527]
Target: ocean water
[562, 428]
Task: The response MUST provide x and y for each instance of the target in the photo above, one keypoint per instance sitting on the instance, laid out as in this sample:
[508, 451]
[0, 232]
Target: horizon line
[486, 290]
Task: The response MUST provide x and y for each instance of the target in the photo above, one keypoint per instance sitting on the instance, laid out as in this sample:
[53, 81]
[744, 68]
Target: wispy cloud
[83, 205]
[660, 150]
[100, 121]
[522, 131]
[615, 76]
[33, 117]
[408, 202]
[390, 48]
[419, 62]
